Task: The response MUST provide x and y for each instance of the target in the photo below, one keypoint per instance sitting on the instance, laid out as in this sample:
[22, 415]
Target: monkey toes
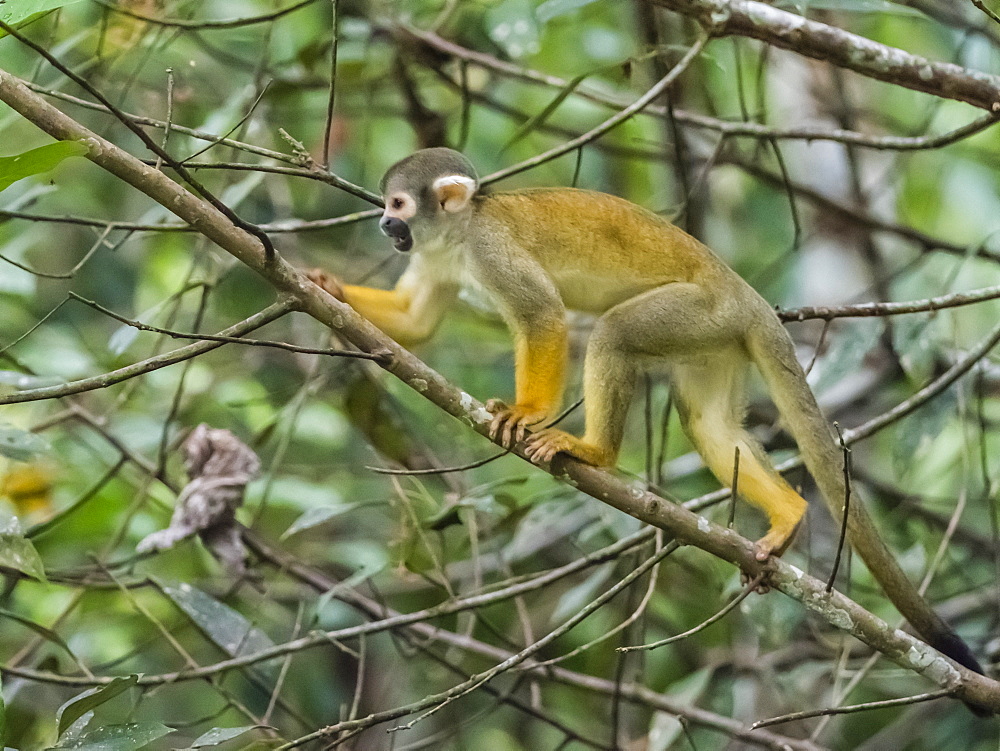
[545, 444]
[775, 542]
[760, 584]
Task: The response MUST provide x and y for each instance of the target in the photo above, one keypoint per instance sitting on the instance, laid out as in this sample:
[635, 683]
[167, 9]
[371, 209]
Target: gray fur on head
[423, 167]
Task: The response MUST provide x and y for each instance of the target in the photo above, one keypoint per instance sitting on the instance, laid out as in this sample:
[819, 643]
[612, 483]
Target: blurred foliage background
[809, 217]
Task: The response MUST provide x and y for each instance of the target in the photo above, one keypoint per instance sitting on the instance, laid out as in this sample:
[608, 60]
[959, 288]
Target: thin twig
[670, 547]
[350, 353]
[617, 119]
[725, 127]
[866, 707]
[982, 6]
[734, 492]
[750, 588]
[328, 128]
[112, 377]
[869, 309]
[231, 23]
[148, 142]
[847, 507]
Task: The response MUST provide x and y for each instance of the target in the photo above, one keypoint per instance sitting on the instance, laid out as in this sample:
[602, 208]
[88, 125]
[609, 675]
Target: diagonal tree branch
[685, 526]
[821, 41]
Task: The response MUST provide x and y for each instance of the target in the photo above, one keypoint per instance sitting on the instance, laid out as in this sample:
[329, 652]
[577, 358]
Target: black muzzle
[398, 231]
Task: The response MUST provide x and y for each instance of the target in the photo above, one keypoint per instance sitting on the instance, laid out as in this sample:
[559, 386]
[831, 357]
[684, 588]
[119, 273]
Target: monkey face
[399, 209]
[425, 194]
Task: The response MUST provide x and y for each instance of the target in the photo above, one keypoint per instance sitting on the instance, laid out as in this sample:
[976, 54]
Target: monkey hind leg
[711, 403]
[608, 381]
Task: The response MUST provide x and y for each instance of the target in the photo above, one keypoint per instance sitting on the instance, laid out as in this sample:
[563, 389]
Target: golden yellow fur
[662, 298]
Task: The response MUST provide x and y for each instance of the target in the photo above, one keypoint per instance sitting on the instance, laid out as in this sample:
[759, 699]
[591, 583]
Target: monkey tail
[772, 351]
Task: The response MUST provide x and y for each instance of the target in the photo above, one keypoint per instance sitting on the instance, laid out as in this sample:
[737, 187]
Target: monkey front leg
[540, 355]
[409, 313]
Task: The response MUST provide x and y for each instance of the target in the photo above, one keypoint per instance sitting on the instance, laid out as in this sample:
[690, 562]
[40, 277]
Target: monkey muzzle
[398, 232]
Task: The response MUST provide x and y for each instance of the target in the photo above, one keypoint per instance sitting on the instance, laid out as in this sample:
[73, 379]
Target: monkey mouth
[402, 242]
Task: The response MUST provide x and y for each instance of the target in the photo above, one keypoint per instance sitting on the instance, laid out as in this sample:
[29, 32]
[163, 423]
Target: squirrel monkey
[662, 297]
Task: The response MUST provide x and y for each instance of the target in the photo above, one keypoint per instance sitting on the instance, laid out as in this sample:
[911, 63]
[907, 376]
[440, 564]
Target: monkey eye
[397, 202]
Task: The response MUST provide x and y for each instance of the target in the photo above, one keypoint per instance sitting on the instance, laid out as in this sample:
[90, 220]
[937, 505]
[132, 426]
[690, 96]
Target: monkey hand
[327, 282]
[511, 423]
[545, 444]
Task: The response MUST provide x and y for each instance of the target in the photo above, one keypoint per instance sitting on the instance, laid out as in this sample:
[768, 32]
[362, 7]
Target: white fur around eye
[454, 191]
[400, 205]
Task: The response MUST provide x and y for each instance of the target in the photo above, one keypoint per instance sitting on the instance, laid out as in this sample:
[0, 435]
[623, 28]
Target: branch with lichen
[830, 44]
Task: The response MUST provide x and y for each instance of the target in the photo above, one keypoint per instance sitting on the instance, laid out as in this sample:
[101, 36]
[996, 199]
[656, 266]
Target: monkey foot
[775, 542]
[545, 444]
[762, 587]
[327, 282]
[511, 423]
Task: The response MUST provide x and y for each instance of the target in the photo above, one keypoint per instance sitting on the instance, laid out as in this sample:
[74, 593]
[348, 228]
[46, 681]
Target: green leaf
[576, 598]
[14, 12]
[918, 432]
[535, 121]
[20, 445]
[409, 549]
[499, 505]
[303, 495]
[916, 342]
[231, 631]
[45, 633]
[79, 705]
[127, 737]
[37, 161]
[665, 729]
[552, 8]
[215, 736]
[364, 573]
[77, 729]
[122, 339]
[19, 554]
[447, 516]
[317, 515]
[847, 351]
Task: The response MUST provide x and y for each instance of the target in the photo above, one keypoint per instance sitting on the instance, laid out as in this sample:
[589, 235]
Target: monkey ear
[454, 192]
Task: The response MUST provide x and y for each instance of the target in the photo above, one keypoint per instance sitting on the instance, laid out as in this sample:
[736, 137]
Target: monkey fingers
[512, 423]
[327, 282]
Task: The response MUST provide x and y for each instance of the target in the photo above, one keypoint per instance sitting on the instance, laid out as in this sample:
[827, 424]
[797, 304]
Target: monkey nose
[392, 226]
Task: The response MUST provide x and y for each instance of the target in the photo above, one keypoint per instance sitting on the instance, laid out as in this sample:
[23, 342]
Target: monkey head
[424, 194]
